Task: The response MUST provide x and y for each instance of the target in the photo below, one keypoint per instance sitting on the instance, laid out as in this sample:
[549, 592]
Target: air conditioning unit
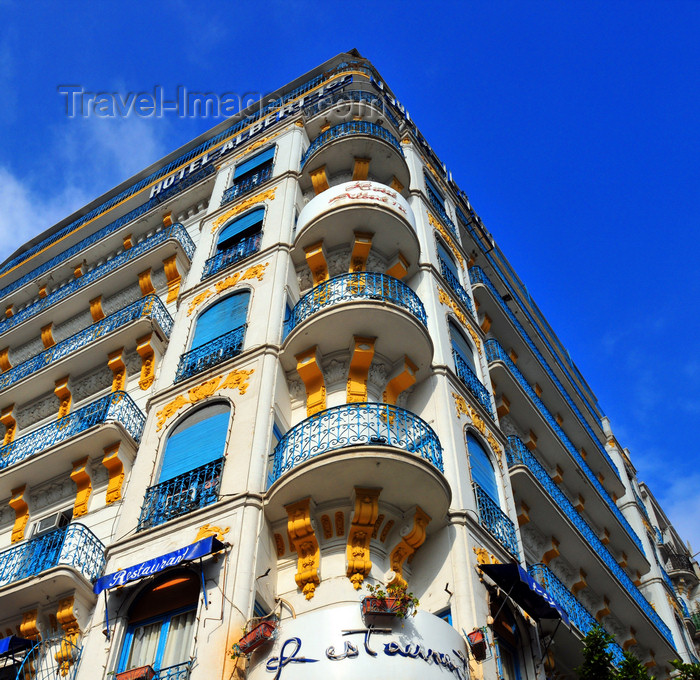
[51, 522]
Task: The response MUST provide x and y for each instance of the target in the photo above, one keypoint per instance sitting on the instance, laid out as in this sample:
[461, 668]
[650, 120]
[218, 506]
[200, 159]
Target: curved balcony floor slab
[359, 206]
[397, 333]
[337, 148]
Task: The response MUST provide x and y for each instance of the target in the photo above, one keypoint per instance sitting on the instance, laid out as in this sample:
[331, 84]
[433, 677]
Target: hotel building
[285, 364]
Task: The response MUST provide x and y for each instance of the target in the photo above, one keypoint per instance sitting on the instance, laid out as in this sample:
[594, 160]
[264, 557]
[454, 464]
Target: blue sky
[573, 127]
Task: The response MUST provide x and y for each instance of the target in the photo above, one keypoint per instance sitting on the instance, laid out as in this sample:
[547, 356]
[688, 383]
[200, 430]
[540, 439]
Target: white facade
[295, 335]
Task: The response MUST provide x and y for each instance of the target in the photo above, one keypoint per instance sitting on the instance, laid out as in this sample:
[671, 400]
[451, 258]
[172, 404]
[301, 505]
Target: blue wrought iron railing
[353, 127]
[248, 184]
[244, 248]
[356, 286]
[641, 506]
[518, 454]
[439, 207]
[494, 352]
[220, 349]
[73, 545]
[667, 579]
[495, 521]
[356, 424]
[659, 536]
[147, 307]
[181, 495]
[115, 407]
[577, 613]
[456, 287]
[477, 275]
[472, 383]
[337, 99]
[180, 671]
[179, 162]
[176, 232]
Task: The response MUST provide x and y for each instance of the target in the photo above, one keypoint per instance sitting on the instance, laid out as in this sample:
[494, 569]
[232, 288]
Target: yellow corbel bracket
[400, 382]
[64, 396]
[304, 541]
[47, 335]
[360, 534]
[7, 418]
[309, 370]
[360, 169]
[29, 628]
[96, 308]
[319, 180]
[316, 259]
[605, 611]
[396, 185]
[82, 480]
[71, 629]
[408, 544]
[5, 364]
[145, 283]
[549, 555]
[19, 505]
[148, 361]
[398, 266]
[9, 311]
[360, 251]
[118, 367]
[173, 277]
[581, 583]
[359, 368]
[115, 470]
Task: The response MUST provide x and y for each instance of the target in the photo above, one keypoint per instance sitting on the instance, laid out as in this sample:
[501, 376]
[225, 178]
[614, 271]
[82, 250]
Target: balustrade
[247, 185]
[220, 349]
[456, 287]
[222, 260]
[472, 383]
[495, 521]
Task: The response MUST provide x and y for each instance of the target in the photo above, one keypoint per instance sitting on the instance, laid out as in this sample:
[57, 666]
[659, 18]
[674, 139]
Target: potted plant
[392, 600]
[478, 643]
[140, 673]
[257, 632]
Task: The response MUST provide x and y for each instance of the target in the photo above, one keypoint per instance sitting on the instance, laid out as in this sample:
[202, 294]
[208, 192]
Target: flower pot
[382, 606]
[140, 673]
[477, 644]
[259, 635]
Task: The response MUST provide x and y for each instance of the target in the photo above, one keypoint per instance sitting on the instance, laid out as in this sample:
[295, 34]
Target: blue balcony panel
[472, 383]
[181, 495]
[226, 258]
[457, 288]
[247, 185]
[494, 352]
[116, 330]
[71, 546]
[343, 105]
[579, 616]
[496, 522]
[518, 455]
[114, 417]
[148, 253]
[211, 354]
[360, 444]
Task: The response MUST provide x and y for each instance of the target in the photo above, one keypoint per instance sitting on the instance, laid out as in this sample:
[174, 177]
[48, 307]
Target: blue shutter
[199, 439]
[254, 163]
[434, 190]
[220, 318]
[463, 348]
[232, 231]
[447, 259]
[482, 470]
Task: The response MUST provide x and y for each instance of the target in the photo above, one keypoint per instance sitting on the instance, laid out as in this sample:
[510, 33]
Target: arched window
[482, 468]
[238, 239]
[198, 439]
[222, 317]
[461, 350]
[161, 624]
[447, 262]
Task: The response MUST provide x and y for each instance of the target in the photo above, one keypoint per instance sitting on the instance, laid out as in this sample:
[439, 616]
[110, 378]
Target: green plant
[597, 660]
[631, 668]
[406, 603]
[687, 671]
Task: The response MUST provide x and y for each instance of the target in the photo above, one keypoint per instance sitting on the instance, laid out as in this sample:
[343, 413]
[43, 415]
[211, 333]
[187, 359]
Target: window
[507, 660]
[461, 349]
[221, 318]
[433, 192]
[447, 261]
[260, 163]
[161, 623]
[276, 436]
[239, 229]
[481, 468]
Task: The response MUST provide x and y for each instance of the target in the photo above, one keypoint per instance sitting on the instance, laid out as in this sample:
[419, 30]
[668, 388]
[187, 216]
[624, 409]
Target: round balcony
[370, 207]
[360, 444]
[364, 304]
[337, 147]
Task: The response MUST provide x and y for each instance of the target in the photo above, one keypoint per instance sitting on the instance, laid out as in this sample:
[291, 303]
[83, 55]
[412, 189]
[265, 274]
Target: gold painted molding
[19, 505]
[309, 370]
[360, 361]
[360, 535]
[447, 237]
[82, 480]
[463, 408]
[64, 396]
[148, 361]
[66, 617]
[237, 379]
[116, 364]
[96, 310]
[255, 272]
[145, 283]
[7, 418]
[408, 544]
[207, 530]
[173, 277]
[303, 539]
[5, 364]
[115, 471]
[267, 195]
[47, 335]
[29, 628]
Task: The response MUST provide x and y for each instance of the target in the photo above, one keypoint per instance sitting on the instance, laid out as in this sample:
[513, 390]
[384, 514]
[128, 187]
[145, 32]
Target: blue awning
[138, 571]
[254, 162]
[525, 591]
[12, 644]
[238, 226]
